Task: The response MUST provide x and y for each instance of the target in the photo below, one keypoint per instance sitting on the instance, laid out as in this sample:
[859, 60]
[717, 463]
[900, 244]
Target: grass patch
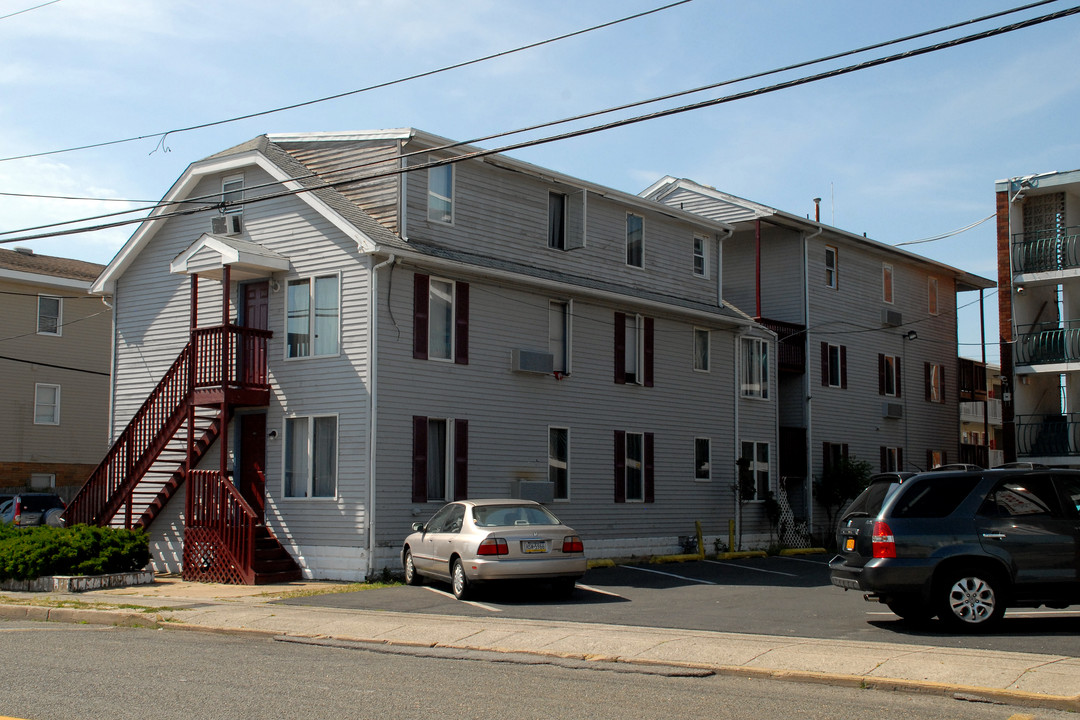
[54, 602]
[332, 589]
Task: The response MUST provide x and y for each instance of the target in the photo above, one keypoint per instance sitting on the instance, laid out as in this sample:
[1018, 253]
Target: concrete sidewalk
[1033, 680]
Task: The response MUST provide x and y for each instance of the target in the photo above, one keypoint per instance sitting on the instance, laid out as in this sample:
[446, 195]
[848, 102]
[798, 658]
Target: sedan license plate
[534, 546]
[849, 544]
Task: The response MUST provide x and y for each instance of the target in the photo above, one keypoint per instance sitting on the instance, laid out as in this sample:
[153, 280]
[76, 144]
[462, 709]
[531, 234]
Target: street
[58, 671]
[788, 596]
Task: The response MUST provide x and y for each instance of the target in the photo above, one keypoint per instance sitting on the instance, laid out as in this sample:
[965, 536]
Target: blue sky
[902, 152]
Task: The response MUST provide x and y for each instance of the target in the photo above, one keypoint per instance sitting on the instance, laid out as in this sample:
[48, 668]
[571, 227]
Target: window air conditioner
[532, 362]
[893, 318]
[892, 410]
[231, 224]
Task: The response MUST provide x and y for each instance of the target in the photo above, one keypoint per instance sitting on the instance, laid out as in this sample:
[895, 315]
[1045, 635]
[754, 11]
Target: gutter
[373, 404]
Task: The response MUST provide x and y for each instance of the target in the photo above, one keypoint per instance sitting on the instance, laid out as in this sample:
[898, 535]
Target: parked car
[28, 509]
[476, 541]
[964, 546]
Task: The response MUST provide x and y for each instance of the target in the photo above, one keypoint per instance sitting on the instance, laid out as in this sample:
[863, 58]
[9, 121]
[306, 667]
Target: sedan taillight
[493, 546]
[572, 544]
[882, 541]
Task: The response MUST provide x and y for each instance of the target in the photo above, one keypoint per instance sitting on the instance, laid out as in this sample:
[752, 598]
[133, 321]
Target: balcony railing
[1046, 250]
[790, 346]
[1049, 343]
[1048, 435]
[972, 412]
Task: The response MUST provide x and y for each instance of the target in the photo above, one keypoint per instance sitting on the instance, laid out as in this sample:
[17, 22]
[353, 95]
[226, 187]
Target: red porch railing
[229, 359]
[219, 532]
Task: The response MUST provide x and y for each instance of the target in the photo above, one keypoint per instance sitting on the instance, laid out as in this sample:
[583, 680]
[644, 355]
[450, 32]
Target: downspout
[373, 406]
[737, 487]
[403, 191]
[808, 491]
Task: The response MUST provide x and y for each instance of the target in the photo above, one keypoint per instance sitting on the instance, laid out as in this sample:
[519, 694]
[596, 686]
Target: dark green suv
[963, 546]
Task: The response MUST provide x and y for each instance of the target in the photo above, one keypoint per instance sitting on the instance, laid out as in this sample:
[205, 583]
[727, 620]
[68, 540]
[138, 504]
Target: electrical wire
[948, 234]
[36, 7]
[428, 73]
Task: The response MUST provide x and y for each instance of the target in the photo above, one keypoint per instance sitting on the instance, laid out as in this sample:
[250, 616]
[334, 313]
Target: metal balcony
[1046, 250]
[1048, 435]
[1048, 343]
[790, 346]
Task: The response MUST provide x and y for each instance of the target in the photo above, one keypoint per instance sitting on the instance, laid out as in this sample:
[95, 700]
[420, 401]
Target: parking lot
[789, 596]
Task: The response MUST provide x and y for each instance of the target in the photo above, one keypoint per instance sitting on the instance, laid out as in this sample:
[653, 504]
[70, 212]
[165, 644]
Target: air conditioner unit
[532, 362]
[542, 491]
[227, 224]
[892, 410]
[893, 318]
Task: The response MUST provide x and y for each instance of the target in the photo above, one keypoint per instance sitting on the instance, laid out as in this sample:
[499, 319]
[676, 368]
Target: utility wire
[589, 130]
[584, 116]
[162, 135]
[948, 234]
[20, 12]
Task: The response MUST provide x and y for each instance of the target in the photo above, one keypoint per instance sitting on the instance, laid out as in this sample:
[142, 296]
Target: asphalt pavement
[299, 610]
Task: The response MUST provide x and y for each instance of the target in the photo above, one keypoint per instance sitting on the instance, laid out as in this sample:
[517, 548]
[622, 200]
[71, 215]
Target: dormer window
[232, 194]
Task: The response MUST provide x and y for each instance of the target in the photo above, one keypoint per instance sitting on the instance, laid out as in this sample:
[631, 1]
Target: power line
[162, 135]
[36, 7]
[948, 234]
[50, 365]
[584, 131]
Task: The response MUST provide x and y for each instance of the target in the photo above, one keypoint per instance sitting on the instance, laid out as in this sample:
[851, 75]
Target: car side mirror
[418, 527]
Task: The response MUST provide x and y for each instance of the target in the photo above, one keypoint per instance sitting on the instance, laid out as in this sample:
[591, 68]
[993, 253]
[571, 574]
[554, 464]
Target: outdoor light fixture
[911, 335]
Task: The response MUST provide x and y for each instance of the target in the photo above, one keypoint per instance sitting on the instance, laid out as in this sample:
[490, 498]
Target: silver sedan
[475, 541]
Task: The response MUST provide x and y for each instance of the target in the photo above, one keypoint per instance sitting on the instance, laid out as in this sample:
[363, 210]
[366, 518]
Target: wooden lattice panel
[207, 560]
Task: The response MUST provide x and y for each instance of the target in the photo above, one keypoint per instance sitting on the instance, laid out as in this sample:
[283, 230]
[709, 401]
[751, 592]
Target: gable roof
[739, 210]
[28, 266]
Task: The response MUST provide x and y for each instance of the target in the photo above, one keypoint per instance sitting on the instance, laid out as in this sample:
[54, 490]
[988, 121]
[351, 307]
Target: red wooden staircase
[220, 369]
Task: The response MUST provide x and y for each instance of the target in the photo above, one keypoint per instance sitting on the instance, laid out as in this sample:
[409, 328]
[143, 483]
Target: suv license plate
[849, 544]
[533, 546]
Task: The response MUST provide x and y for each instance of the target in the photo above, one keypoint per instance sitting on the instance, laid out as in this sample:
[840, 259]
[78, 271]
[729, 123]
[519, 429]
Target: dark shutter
[620, 348]
[649, 472]
[881, 376]
[420, 316]
[649, 352]
[824, 364]
[620, 466]
[419, 465]
[884, 459]
[899, 374]
[926, 378]
[899, 459]
[461, 459]
[843, 366]
[844, 450]
[941, 379]
[461, 323]
[929, 459]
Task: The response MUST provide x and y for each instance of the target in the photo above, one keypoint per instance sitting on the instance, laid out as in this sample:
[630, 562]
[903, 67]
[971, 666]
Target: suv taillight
[493, 546]
[18, 511]
[882, 541]
[572, 544]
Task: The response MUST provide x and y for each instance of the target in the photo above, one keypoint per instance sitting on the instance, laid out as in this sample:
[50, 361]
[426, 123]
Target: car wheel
[563, 588]
[971, 600]
[910, 609]
[411, 576]
[458, 582]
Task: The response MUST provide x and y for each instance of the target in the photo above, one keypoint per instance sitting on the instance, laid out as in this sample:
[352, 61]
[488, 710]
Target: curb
[79, 616]
[742, 554]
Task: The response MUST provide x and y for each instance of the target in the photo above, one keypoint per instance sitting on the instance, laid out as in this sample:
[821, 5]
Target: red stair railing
[219, 533]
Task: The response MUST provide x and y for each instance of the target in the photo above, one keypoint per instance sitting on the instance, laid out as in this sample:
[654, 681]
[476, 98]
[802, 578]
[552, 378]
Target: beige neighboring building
[54, 372]
[980, 414]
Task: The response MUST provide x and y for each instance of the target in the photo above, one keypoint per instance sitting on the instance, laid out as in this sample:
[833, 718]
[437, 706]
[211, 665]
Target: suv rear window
[934, 497]
[872, 498]
[40, 503]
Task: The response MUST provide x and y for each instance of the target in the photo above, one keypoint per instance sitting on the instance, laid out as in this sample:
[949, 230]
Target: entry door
[257, 316]
[252, 471]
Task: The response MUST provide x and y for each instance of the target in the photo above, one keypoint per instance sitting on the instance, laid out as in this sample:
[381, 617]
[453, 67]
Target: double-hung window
[755, 368]
[887, 283]
[46, 404]
[312, 322]
[889, 375]
[831, 267]
[833, 365]
[635, 240]
[701, 256]
[440, 459]
[559, 461]
[311, 456]
[49, 315]
[634, 474]
[701, 350]
[559, 327]
[935, 382]
[892, 459]
[441, 194]
[633, 349]
[757, 455]
[232, 194]
[702, 458]
[440, 319]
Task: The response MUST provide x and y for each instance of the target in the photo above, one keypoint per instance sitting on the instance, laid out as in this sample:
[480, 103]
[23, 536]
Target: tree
[840, 484]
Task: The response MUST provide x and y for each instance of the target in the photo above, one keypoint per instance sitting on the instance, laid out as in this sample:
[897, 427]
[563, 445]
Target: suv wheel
[971, 600]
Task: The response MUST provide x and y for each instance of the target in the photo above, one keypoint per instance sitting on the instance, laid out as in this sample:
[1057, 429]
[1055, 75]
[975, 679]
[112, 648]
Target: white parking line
[747, 567]
[482, 606]
[590, 588]
[658, 572]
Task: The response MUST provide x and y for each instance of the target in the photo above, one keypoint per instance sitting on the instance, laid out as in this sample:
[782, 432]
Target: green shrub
[80, 550]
